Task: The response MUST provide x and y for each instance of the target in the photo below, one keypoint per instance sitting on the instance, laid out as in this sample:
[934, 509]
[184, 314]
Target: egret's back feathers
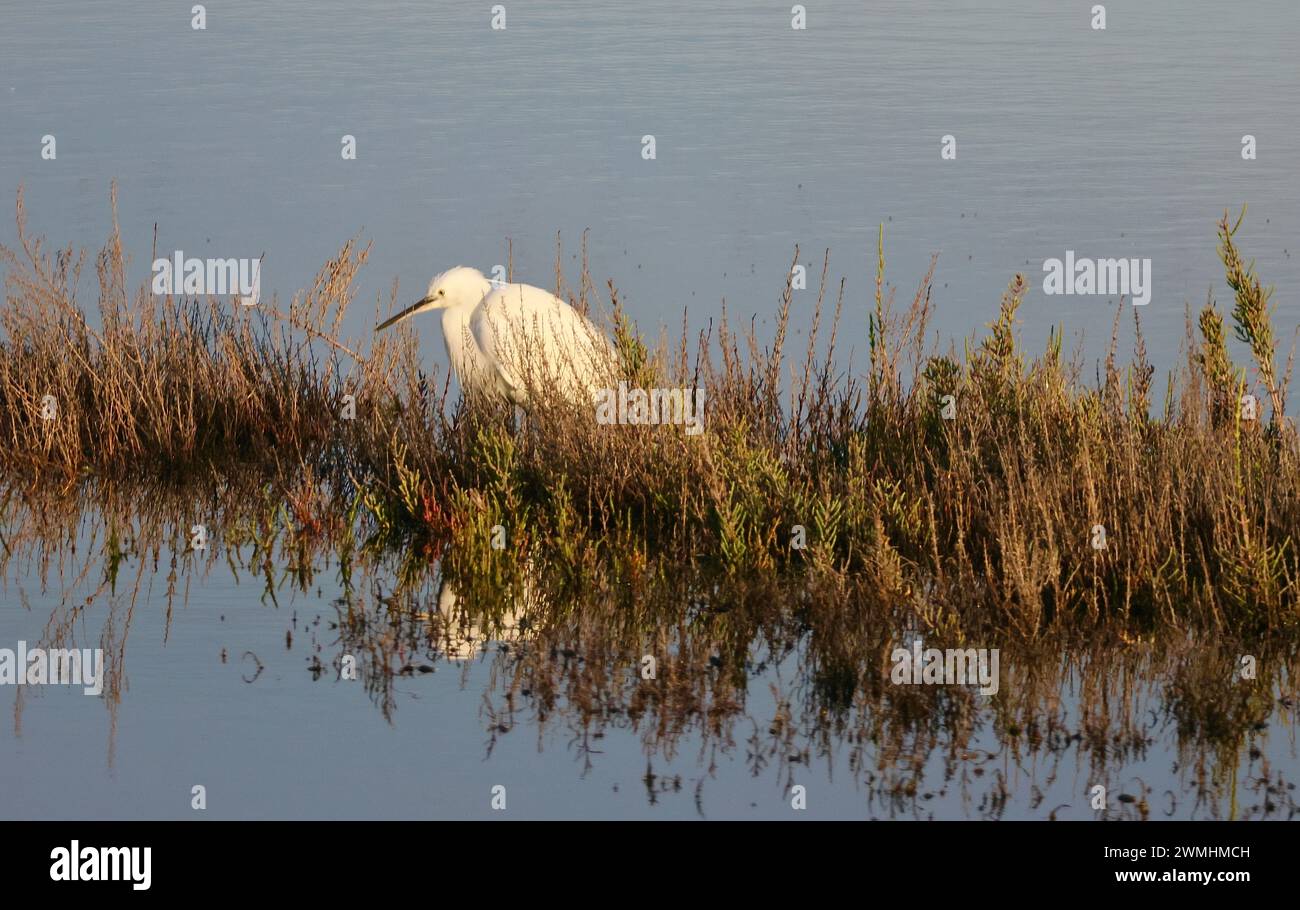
[536, 343]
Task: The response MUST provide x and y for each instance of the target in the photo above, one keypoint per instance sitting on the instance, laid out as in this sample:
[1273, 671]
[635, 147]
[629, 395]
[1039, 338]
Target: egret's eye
[441, 292]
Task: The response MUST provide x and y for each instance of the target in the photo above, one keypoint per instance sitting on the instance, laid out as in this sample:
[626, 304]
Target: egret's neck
[459, 340]
[455, 318]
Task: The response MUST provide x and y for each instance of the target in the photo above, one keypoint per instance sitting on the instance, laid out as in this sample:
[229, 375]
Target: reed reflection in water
[748, 687]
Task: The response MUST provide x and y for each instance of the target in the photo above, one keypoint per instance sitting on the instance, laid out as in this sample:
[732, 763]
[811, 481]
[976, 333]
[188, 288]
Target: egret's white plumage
[515, 340]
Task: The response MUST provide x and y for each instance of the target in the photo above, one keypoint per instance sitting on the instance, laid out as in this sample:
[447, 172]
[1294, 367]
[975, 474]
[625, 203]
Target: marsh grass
[963, 527]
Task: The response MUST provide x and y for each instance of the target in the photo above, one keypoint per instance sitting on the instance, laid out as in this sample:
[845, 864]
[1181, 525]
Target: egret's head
[461, 285]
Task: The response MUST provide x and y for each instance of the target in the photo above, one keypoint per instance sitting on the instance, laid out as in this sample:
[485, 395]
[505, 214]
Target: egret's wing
[491, 333]
[537, 340]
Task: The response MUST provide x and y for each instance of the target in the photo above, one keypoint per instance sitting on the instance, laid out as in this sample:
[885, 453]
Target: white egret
[516, 340]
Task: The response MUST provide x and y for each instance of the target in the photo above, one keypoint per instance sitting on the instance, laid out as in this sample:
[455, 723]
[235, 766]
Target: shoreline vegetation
[986, 491]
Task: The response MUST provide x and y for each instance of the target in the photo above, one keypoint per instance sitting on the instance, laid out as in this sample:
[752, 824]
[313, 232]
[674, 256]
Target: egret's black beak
[409, 311]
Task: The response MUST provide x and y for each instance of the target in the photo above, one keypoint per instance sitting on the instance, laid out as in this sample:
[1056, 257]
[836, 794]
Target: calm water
[225, 686]
[1123, 142]
[1117, 143]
